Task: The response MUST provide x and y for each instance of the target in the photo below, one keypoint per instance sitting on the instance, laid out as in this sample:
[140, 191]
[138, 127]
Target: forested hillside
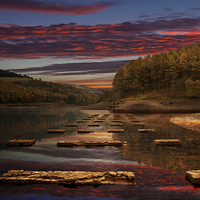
[23, 90]
[177, 70]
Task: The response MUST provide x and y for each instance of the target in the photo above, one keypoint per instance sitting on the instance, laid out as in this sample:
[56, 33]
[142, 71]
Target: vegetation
[177, 71]
[28, 90]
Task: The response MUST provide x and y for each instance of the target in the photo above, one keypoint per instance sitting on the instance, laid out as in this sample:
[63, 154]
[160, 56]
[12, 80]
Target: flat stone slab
[89, 143]
[146, 130]
[84, 131]
[20, 142]
[168, 142]
[193, 176]
[115, 130]
[117, 124]
[71, 125]
[139, 124]
[56, 131]
[71, 178]
[93, 124]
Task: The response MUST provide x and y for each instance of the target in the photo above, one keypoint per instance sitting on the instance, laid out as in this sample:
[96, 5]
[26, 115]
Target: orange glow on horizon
[107, 83]
[99, 86]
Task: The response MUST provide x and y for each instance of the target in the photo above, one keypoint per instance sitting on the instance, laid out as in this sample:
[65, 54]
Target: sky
[84, 42]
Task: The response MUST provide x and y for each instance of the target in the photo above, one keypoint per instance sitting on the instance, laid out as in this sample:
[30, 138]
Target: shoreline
[126, 106]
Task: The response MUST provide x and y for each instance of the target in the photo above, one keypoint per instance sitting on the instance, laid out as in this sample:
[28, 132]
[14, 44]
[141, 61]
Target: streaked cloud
[68, 69]
[76, 41]
[63, 7]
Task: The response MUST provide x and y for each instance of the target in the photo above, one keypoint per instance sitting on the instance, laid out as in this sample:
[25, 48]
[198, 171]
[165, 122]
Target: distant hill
[87, 89]
[16, 88]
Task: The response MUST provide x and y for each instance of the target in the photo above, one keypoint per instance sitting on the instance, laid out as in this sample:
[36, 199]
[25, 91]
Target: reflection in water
[157, 169]
[191, 121]
[33, 123]
[141, 147]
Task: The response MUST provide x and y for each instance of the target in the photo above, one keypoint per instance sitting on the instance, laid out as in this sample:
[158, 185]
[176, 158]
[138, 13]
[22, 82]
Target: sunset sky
[84, 42]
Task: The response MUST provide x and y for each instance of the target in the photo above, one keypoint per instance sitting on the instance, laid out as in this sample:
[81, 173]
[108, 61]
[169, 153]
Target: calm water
[159, 171]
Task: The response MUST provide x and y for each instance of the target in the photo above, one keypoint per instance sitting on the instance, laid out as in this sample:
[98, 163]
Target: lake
[159, 170]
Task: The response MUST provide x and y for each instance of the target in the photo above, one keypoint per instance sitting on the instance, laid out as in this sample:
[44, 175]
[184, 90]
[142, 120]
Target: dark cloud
[196, 9]
[68, 69]
[56, 7]
[75, 41]
[167, 9]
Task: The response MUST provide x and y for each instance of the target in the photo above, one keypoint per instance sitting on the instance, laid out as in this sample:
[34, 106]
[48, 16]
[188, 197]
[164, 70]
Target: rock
[139, 124]
[193, 176]
[168, 142]
[146, 130]
[116, 125]
[84, 131]
[71, 125]
[74, 178]
[56, 131]
[89, 143]
[20, 142]
[93, 124]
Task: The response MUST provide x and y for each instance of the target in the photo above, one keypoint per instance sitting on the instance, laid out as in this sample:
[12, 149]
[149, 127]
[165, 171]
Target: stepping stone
[56, 131]
[116, 125]
[146, 130]
[93, 124]
[20, 142]
[69, 178]
[168, 142]
[71, 125]
[139, 124]
[115, 130]
[90, 143]
[84, 131]
[193, 176]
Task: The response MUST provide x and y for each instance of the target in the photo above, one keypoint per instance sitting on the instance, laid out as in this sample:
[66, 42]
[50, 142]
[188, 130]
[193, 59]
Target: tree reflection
[141, 147]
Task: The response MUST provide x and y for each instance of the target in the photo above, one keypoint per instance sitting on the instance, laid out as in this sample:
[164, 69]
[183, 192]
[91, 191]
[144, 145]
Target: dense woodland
[177, 70]
[23, 90]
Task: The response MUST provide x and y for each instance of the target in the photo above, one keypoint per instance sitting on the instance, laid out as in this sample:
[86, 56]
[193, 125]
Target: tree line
[176, 70]
[36, 91]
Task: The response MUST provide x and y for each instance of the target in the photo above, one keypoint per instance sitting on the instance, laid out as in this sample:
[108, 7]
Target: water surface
[159, 171]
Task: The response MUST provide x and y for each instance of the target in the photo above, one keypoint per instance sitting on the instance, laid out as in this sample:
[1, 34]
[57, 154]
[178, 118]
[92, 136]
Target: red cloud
[100, 41]
[55, 7]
